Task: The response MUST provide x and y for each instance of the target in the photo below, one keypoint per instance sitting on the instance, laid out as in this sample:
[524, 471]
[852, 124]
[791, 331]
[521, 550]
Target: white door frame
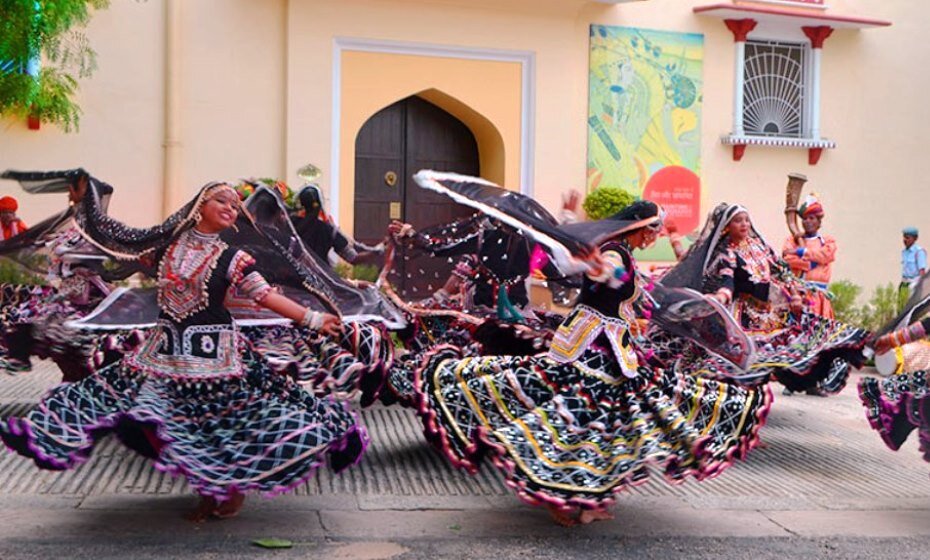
[526, 59]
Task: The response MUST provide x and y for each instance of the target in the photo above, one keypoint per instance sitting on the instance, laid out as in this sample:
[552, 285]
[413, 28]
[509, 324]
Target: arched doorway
[395, 143]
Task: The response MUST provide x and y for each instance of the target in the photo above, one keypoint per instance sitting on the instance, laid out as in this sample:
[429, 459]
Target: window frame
[805, 87]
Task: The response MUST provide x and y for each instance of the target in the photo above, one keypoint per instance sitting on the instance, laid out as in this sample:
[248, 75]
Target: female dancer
[194, 397]
[900, 404]
[62, 277]
[571, 428]
[476, 310]
[731, 262]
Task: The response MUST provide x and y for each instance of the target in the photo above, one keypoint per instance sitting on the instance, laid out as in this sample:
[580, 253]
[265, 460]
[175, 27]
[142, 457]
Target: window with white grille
[775, 92]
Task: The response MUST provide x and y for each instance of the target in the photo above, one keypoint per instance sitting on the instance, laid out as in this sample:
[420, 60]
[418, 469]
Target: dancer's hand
[881, 344]
[400, 229]
[596, 262]
[570, 200]
[332, 326]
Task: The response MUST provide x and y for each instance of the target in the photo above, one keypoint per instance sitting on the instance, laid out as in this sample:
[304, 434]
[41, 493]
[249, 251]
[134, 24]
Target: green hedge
[606, 201]
[881, 307]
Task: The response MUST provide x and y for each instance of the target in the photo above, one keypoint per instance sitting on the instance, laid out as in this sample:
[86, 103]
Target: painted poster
[644, 119]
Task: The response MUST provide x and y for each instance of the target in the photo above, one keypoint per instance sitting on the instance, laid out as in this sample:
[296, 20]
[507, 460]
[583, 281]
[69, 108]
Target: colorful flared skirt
[575, 434]
[356, 362]
[808, 353]
[897, 406]
[32, 323]
[255, 432]
[491, 337]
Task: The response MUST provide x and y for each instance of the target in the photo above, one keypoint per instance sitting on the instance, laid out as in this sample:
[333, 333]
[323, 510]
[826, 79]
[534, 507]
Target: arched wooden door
[392, 145]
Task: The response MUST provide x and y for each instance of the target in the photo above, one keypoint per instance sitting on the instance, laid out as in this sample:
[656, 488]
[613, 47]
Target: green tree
[43, 52]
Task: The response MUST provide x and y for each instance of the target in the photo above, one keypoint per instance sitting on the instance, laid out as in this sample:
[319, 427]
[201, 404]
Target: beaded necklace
[755, 258]
[185, 272]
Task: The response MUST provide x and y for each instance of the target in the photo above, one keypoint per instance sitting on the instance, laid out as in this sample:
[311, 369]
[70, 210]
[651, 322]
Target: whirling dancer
[495, 259]
[900, 404]
[733, 263]
[483, 306]
[355, 360]
[321, 236]
[314, 228]
[194, 397]
[65, 275]
[571, 428]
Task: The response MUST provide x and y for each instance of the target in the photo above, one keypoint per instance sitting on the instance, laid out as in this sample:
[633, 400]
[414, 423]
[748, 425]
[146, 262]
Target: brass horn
[792, 197]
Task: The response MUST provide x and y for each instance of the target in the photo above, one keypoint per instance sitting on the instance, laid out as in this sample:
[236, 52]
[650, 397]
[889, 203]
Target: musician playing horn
[811, 255]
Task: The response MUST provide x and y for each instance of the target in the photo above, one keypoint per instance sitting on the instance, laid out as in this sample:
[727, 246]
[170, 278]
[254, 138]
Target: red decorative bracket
[740, 28]
[738, 151]
[813, 155]
[817, 34]
[33, 122]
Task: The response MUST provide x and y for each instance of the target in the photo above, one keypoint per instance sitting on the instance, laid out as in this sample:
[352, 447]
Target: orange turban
[8, 204]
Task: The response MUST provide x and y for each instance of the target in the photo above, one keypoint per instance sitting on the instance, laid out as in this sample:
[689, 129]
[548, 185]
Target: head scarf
[268, 237]
[639, 214]
[691, 271]
[910, 230]
[311, 199]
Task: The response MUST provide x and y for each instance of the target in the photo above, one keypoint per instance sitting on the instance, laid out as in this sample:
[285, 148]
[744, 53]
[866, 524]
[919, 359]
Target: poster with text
[644, 120]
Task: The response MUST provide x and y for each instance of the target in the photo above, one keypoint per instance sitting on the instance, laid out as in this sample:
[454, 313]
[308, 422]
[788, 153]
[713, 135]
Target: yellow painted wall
[258, 83]
[233, 106]
[872, 92]
[550, 29]
[373, 81]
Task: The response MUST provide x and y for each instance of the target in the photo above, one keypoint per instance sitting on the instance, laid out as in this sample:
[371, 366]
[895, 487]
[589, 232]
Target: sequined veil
[264, 230]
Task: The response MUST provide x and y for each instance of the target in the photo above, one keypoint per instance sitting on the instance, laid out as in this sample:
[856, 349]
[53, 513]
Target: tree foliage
[49, 31]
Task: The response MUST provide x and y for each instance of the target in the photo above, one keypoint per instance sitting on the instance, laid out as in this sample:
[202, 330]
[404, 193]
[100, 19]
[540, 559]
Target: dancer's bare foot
[564, 518]
[591, 515]
[203, 511]
[230, 507]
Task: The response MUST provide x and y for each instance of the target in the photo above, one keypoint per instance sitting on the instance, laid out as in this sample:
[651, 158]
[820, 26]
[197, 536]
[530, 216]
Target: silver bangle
[307, 319]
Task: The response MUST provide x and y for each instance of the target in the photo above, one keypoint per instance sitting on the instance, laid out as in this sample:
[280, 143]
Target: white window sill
[814, 147]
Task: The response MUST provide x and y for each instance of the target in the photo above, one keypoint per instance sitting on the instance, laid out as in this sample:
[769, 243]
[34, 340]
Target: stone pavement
[824, 475]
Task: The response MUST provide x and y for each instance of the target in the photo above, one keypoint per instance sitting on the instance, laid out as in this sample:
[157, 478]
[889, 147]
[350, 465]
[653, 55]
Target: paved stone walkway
[823, 474]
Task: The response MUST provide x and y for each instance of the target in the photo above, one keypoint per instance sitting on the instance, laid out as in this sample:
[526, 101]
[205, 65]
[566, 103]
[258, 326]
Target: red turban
[8, 204]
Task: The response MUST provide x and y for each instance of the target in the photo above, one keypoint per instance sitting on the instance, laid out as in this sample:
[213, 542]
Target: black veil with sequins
[682, 312]
[264, 230]
[287, 262]
[32, 250]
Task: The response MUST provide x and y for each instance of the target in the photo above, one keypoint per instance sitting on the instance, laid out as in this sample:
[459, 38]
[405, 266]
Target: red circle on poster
[678, 190]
